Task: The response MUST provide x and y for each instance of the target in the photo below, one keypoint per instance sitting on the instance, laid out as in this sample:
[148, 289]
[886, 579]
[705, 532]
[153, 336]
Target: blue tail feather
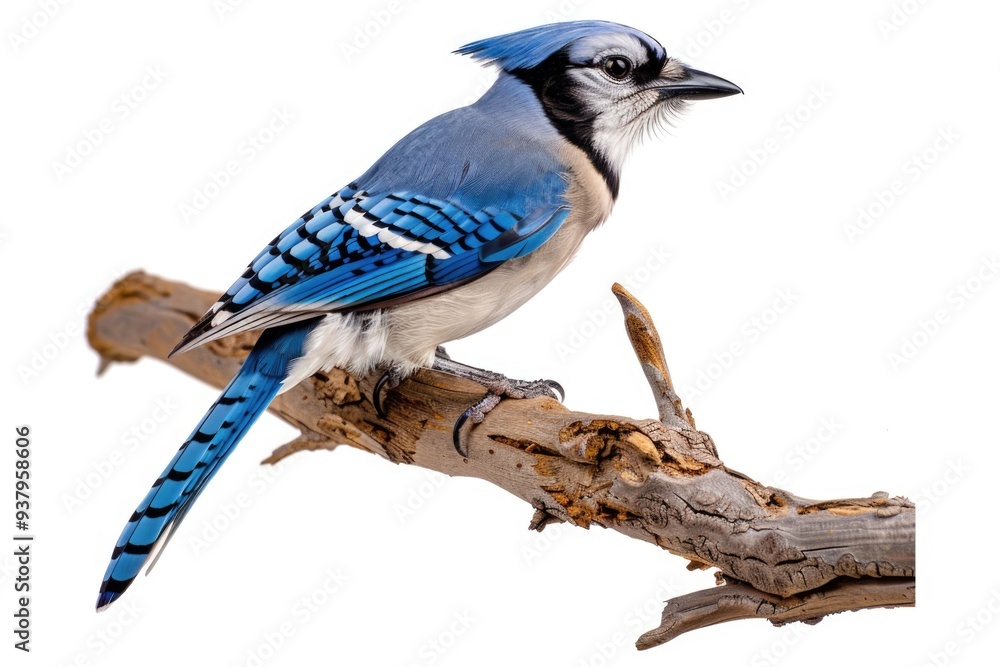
[243, 400]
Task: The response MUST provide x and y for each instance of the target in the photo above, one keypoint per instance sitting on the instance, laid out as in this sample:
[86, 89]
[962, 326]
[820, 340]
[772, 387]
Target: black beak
[697, 85]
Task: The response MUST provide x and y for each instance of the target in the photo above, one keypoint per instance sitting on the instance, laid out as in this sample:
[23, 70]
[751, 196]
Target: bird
[457, 225]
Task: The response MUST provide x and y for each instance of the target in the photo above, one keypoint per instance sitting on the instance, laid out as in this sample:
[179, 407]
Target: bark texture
[779, 556]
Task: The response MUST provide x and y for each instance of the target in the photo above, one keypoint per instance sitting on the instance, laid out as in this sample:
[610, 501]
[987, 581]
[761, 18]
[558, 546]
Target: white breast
[417, 328]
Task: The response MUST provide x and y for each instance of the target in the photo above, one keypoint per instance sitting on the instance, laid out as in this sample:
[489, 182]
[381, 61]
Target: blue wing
[446, 204]
[359, 250]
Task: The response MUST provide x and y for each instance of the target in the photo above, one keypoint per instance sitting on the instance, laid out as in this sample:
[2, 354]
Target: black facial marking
[561, 102]
[650, 69]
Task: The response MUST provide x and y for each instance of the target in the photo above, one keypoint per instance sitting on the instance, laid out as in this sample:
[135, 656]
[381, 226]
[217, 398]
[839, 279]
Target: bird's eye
[617, 67]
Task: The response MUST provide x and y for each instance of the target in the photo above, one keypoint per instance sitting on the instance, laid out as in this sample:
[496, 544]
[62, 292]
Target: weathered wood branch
[781, 557]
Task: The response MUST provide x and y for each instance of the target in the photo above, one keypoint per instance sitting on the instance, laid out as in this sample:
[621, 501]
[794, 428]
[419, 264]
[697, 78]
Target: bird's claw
[391, 377]
[497, 387]
[556, 388]
[476, 413]
[527, 389]
[502, 388]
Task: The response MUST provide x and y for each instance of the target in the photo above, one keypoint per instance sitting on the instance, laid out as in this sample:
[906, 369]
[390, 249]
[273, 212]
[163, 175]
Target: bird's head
[602, 85]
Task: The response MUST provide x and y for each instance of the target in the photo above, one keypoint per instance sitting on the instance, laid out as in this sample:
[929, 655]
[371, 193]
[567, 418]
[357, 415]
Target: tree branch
[780, 557]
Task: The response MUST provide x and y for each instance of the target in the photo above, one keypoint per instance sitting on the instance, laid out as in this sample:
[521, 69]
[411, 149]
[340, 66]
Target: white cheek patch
[624, 120]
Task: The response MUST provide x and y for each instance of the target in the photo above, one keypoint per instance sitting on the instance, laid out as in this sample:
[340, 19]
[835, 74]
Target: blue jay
[456, 226]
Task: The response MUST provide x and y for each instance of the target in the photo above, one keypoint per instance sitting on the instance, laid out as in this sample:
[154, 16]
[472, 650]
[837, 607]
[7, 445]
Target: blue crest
[528, 48]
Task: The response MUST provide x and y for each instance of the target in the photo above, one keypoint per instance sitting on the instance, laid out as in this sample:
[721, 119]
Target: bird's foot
[389, 379]
[498, 387]
[476, 414]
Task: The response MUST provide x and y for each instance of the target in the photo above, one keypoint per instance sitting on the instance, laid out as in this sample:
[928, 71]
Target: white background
[815, 400]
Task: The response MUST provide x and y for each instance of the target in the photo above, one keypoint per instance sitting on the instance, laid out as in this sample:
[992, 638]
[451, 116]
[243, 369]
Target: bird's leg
[498, 386]
[496, 382]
